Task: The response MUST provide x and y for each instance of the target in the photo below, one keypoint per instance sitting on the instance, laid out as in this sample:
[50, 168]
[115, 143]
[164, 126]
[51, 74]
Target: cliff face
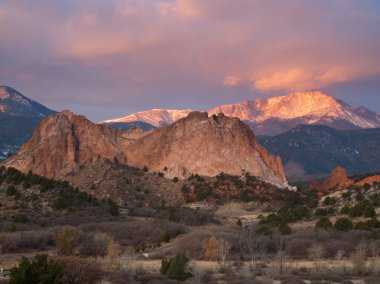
[195, 144]
[207, 146]
[62, 142]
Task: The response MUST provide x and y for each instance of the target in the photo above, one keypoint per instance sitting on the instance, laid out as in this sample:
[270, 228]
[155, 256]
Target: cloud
[292, 79]
[186, 53]
[232, 81]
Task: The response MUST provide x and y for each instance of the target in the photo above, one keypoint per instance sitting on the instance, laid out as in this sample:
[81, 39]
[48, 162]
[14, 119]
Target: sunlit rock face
[275, 115]
[195, 144]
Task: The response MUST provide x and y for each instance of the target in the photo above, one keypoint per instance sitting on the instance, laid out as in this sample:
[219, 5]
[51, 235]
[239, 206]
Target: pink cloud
[163, 49]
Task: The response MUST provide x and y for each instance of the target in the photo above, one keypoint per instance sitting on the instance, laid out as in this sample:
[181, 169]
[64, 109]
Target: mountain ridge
[318, 149]
[19, 116]
[276, 115]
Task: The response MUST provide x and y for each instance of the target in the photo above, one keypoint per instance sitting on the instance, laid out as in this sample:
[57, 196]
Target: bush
[20, 218]
[263, 230]
[343, 224]
[323, 223]
[26, 241]
[320, 212]
[79, 270]
[11, 190]
[67, 240]
[39, 270]
[175, 268]
[369, 211]
[329, 201]
[113, 209]
[285, 229]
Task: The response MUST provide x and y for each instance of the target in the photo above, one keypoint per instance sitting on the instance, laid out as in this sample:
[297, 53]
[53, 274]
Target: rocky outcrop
[368, 180]
[62, 142]
[338, 179]
[195, 144]
[207, 146]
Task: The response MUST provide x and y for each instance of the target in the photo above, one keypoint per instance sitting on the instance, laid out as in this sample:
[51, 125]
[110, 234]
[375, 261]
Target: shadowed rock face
[195, 144]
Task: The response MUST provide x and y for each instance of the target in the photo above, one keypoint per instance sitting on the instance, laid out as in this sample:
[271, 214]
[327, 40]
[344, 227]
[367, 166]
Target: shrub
[25, 241]
[175, 268]
[263, 230]
[113, 209]
[320, 212]
[329, 201]
[285, 229]
[79, 270]
[165, 237]
[145, 168]
[210, 248]
[369, 211]
[11, 190]
[175, 179]
[345, 210]
[67, 240]
[323, 223]
[343, 224]
[20, 218]
[39, 270]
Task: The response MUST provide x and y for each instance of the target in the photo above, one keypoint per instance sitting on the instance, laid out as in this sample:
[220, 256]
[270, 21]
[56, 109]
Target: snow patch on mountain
[155, 117]
[305, 107]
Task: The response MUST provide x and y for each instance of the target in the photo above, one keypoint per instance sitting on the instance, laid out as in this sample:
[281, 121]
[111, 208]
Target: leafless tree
[374, 255]
[224, 249]
[358, 258]
[316, 253]
[281, 253]
[255, 246]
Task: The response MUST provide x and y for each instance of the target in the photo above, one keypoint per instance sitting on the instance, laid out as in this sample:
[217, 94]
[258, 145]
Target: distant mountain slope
[130, 125]
[19, 116]
[155, 117]
[317, 149]
[277, 115]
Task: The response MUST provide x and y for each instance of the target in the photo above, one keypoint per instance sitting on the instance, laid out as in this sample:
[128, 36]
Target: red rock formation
[338, 179]
[369, 180]
[195, 144]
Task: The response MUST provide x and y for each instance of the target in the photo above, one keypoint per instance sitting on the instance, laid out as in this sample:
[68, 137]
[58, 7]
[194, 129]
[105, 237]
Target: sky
[110, 58]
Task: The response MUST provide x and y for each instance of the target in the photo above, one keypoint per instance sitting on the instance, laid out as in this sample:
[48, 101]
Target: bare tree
[254, 246]
[281, 254]
[197, 274]
[316, 252]
[358, 258]
[374, 255]
[223, 251]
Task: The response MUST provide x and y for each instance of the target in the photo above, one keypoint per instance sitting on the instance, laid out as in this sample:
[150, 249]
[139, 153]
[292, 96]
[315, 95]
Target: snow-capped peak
[155, 117]
[306, 107]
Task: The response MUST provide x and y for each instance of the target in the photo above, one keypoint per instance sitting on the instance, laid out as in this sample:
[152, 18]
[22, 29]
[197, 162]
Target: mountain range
[271, 116]
[318, 149]
[19, 116]
[317, 131]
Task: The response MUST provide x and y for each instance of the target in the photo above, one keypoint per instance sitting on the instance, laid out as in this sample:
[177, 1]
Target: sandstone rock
[369, 180]
[195, 144]
[338, 179]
